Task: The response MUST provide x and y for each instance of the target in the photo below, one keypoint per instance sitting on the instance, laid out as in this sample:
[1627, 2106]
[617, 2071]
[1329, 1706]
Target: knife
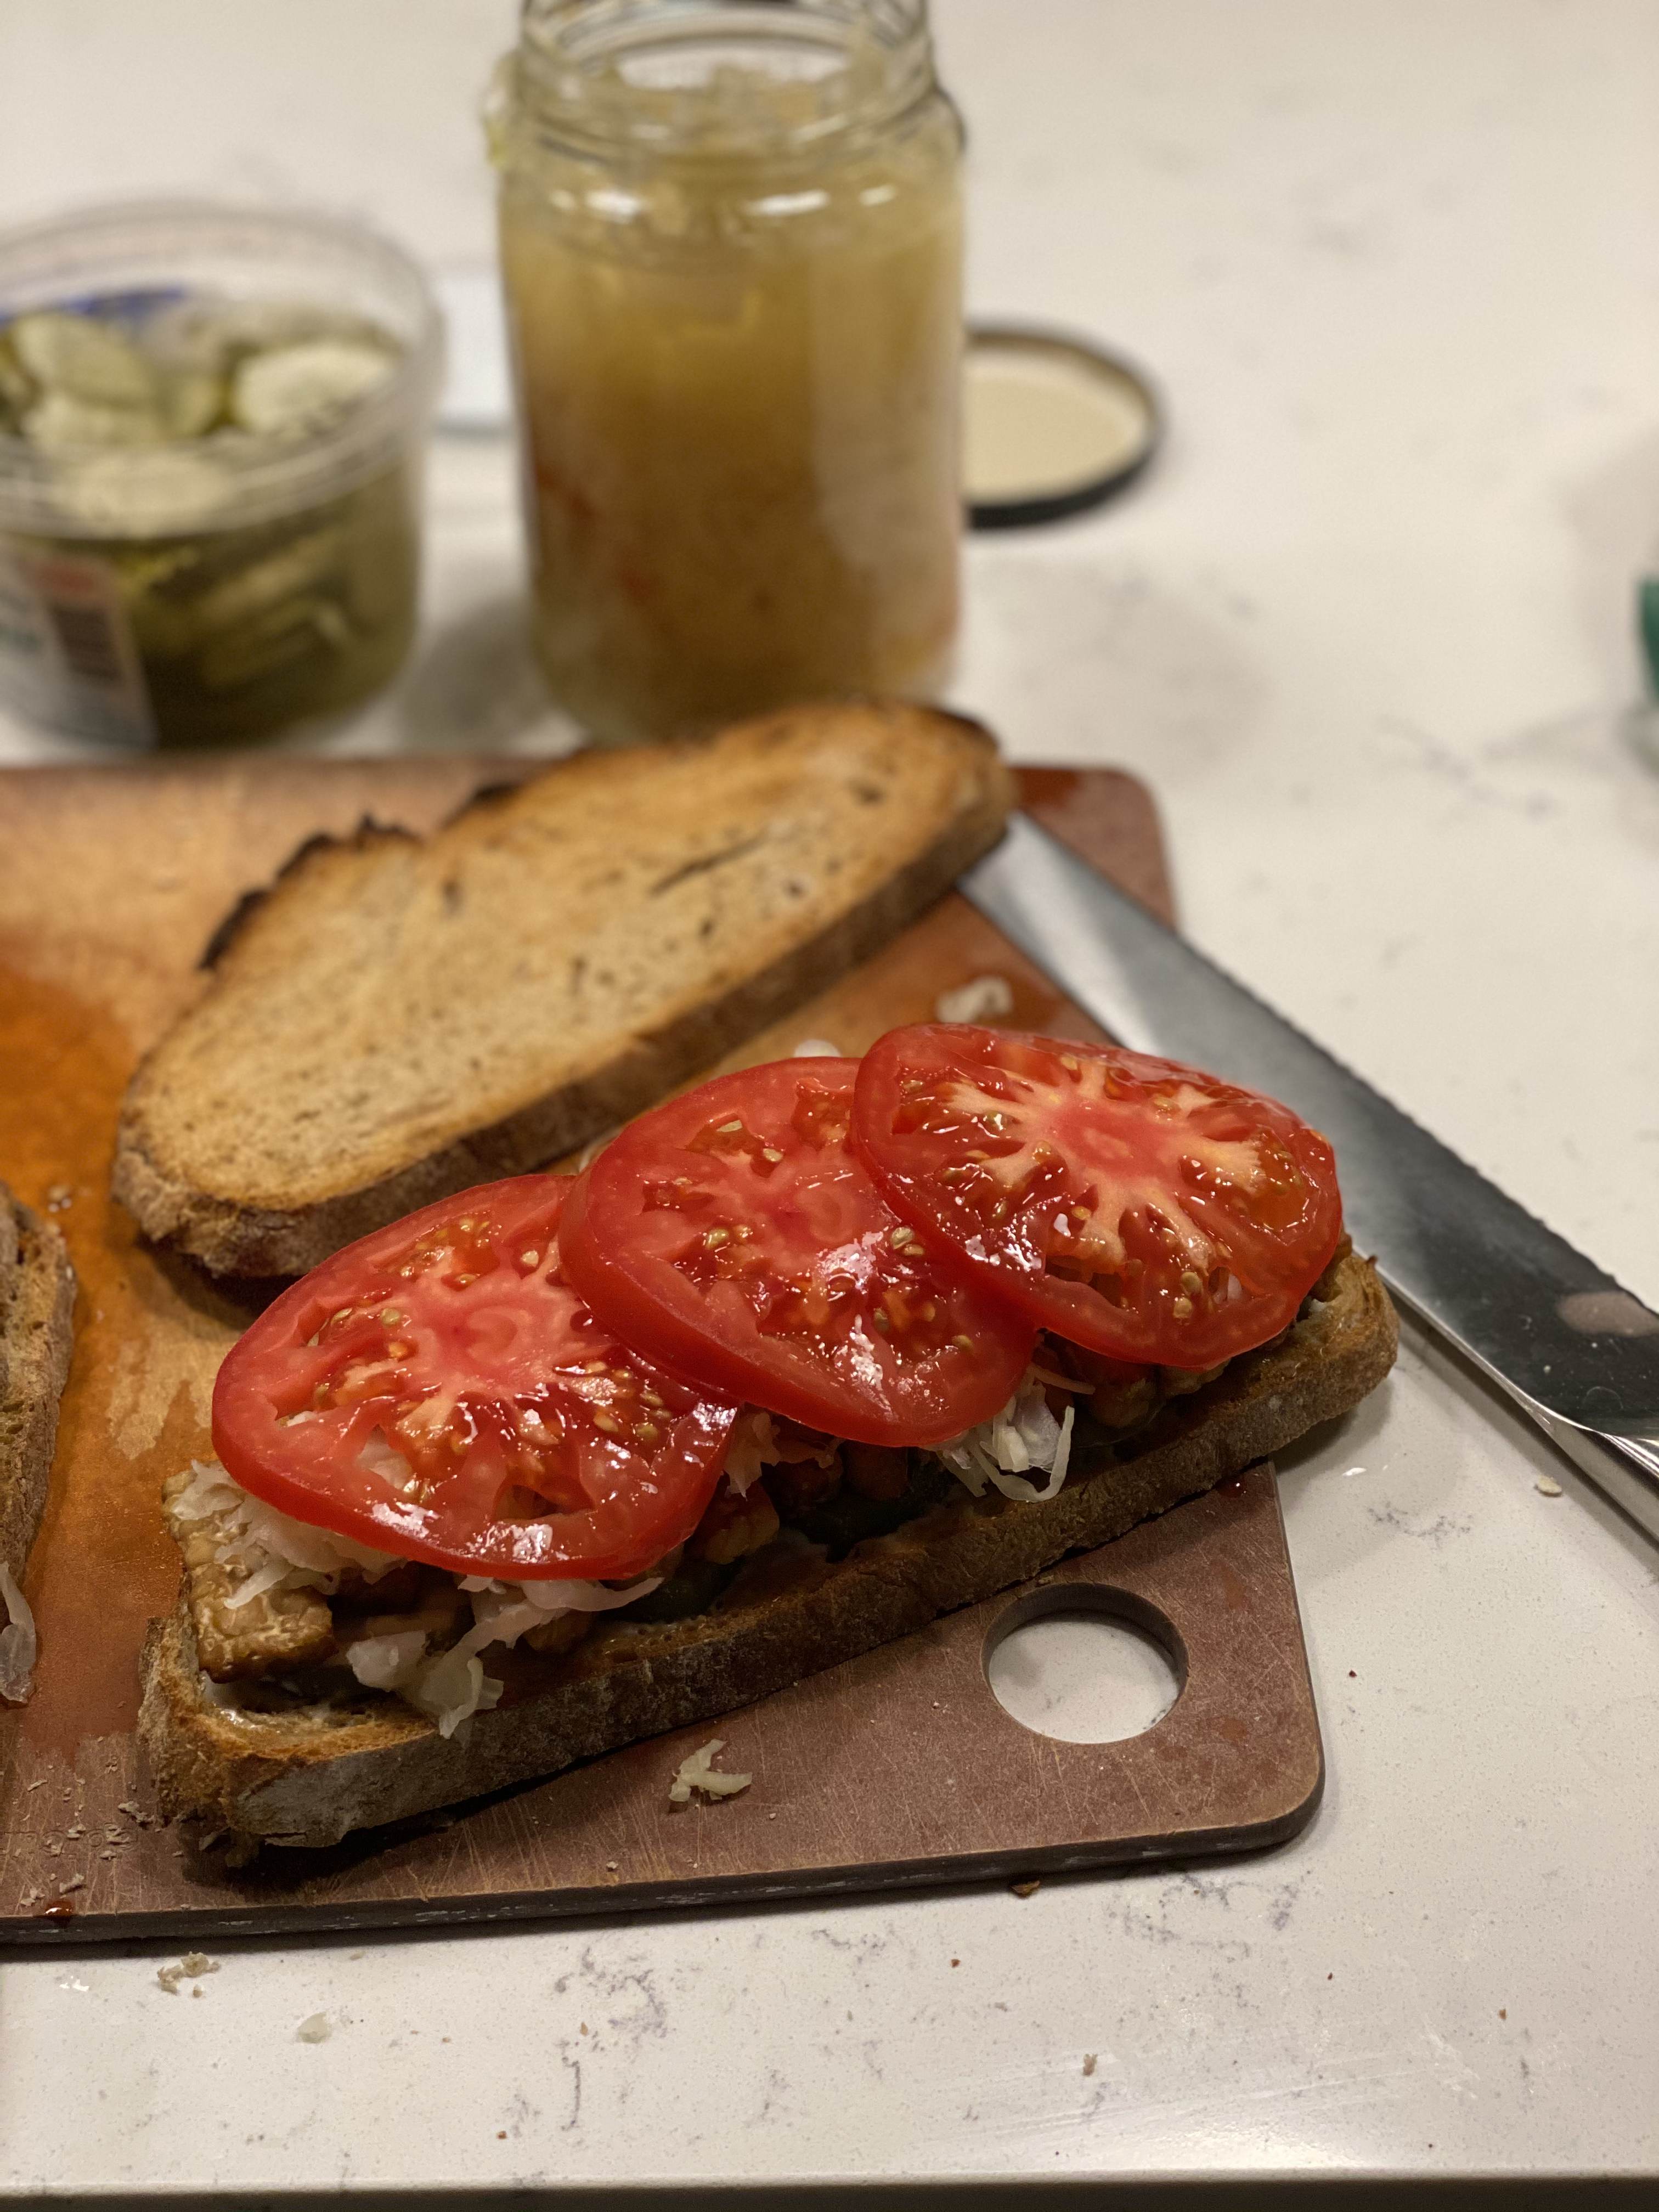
[1575, 1349]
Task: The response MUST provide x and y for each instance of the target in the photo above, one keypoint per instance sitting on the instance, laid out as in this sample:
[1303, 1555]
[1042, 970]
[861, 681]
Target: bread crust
[36, 1303]
[307, 1782]
[236, 1233]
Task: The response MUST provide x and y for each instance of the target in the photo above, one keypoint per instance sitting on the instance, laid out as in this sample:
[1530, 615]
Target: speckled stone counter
[1366, 627]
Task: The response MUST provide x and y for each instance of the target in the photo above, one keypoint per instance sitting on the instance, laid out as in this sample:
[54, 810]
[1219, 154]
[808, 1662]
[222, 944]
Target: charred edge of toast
[37, 1315]
[367, 833]
[296, 1783]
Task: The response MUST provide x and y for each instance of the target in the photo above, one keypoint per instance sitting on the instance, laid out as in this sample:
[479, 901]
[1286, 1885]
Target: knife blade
[1575, 1350]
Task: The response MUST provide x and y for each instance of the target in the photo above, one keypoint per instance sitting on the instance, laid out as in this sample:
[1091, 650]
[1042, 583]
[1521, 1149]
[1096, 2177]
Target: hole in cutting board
[1085, 1663]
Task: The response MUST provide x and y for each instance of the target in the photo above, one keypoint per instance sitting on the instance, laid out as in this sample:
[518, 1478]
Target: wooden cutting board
[899, 1768]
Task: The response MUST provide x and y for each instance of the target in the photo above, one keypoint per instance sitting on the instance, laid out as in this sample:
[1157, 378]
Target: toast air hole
[1085, 1663]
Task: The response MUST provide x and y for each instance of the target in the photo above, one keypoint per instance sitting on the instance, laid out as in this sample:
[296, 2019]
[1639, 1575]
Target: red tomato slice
[437, 1390]
[733, 1231]
[1143, 1209]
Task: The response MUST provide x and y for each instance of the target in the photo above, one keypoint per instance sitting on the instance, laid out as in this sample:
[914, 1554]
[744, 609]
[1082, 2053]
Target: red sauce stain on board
[103, 1564]
[1234, 1590]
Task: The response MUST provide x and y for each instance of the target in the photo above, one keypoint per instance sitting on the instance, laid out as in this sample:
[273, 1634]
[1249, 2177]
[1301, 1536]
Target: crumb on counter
[1089, 2060]
[315, 2028]
[697, 1772]
[190, 1968]
[1025, 1889]
[1547, 1486]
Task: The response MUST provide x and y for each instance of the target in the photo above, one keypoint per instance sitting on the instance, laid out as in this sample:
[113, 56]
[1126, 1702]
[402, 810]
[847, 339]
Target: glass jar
[732, 247]
[212, 426]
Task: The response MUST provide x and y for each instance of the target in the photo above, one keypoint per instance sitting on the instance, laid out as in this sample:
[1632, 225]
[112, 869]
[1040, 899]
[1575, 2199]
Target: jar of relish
[732, 247]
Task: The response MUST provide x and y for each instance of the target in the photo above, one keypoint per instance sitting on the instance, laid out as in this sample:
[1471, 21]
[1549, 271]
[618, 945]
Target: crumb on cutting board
[984, 999]
[697, 1772]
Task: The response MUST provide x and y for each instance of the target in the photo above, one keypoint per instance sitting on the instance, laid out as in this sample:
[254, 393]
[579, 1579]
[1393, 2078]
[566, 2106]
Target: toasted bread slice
[309, 1777]
[398, 1019]
[37, 1298]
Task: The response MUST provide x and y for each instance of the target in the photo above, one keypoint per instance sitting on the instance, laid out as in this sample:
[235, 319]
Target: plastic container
[222, 584]
[732, 247]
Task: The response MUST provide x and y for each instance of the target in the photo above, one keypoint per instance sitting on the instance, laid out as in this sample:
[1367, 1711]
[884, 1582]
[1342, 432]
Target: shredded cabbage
[280, 1553]
[700, 1772]
[261, 1539]
[1024, 1436]
[551, 1598]
[756, 1444]
[451, 1688]
[388, 1662]
[452, 1685]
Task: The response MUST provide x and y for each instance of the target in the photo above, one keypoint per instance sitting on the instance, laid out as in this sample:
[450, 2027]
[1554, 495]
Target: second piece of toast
[399, 1017]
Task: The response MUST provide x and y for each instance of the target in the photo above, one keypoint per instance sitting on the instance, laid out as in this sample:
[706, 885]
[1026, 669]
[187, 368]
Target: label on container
[67, 657]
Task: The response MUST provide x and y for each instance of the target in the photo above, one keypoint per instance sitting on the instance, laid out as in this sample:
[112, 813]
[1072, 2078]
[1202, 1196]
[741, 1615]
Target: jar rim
[54, 260]
[642, 75]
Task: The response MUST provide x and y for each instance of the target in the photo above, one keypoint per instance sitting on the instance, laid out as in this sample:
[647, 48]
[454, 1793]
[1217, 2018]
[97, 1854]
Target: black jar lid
[1052, 425]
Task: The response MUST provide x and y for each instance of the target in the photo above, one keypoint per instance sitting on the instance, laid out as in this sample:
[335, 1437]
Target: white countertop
[1366, 629]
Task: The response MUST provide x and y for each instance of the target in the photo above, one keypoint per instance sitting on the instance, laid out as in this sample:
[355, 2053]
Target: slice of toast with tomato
[806, 1356]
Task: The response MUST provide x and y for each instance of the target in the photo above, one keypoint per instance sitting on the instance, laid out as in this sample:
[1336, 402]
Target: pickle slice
[62, 419]
[299, 387]
[193, 402]
[86, 359]
[141, 493]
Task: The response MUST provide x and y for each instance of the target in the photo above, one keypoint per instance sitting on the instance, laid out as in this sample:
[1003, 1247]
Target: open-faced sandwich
[804, 1358]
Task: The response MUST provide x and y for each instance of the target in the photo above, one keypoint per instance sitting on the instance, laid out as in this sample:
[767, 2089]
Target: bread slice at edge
[300, 1781]
[233, 1238]
[36, 1318]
